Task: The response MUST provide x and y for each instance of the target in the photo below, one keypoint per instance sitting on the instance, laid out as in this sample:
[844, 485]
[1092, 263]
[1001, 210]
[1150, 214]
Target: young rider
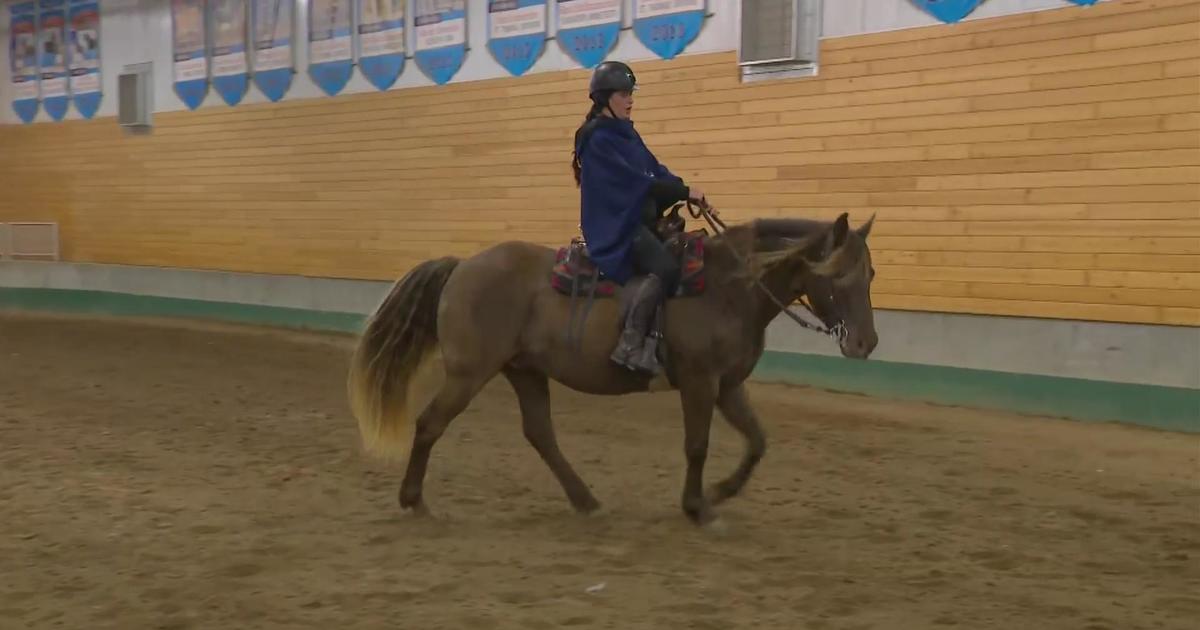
[624, 191]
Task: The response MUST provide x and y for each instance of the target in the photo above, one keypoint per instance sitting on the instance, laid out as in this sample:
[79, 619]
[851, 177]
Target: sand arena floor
[169, 477]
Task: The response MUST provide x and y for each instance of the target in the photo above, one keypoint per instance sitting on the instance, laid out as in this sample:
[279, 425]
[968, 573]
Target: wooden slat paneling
[1043, 164]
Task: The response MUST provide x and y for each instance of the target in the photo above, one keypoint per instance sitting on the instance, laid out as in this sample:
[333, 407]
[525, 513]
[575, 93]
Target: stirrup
[646, 359]
[629, 345]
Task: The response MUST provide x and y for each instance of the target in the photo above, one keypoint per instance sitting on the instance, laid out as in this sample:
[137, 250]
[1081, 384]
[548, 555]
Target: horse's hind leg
[449, 402]
[734, 404]
[533, 394]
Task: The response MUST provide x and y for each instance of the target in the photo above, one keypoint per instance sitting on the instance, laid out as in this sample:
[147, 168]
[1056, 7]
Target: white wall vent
[779, 38]
[135, 96]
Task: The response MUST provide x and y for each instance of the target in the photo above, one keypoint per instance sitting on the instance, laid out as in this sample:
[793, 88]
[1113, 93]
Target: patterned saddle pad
[575, 273]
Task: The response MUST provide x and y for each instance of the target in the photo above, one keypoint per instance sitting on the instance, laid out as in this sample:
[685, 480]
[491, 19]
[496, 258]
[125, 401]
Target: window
[780, 38]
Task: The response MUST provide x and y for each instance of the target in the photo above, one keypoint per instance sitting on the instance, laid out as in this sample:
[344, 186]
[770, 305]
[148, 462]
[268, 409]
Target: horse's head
[837, 282]
[833, 269]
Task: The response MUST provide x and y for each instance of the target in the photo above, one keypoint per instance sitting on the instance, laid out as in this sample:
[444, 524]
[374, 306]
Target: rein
[837, 332]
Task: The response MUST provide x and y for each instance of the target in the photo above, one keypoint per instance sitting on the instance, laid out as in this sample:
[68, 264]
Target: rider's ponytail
[597, 106]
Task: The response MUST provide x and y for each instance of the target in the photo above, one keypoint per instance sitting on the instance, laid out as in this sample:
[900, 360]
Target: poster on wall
[52, 56]
[191, 58]
[516, 33]
[22, 59]
[330, 46]
[441, 31]
[229, 62]
[83, 55]
[274, 31]
[381, 45]
[667, 27]
[948, 11]
[587, 29]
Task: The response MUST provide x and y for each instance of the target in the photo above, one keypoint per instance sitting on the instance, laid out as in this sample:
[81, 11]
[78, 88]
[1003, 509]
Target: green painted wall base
[1169, 408]
[125, 304]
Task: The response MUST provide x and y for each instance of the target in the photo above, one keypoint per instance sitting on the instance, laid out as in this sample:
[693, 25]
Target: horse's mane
[789, 228]
[766, 244]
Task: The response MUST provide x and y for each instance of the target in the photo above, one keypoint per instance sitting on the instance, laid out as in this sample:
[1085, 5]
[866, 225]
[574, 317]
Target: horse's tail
[399, 337]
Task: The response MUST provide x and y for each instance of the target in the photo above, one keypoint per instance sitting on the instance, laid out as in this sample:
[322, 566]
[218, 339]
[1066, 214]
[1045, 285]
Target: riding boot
[648, 360]
[639, 316]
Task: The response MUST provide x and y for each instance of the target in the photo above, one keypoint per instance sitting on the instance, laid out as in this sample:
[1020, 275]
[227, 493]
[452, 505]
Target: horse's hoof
[717, 526]
[415, 505]
[701, 515]
[588, 507]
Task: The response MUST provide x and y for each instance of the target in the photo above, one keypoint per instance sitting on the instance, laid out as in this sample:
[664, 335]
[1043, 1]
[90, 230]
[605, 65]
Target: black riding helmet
[608, 77]
[611, 76]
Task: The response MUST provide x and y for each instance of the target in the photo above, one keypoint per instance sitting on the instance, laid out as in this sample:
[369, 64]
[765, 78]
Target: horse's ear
[830, 241]
[865, 230]
[841, 227]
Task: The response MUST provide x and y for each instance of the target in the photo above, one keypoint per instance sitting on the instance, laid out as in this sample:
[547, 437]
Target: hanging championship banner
[667, 27]
[52, 39]
[229, 64]
[22, 59]
[948, 11]
[441, 38]
[83, 58]
[274, 33]
[330, 45]
[587, 29]
[516, 33]
[381, 46]
[191, 58]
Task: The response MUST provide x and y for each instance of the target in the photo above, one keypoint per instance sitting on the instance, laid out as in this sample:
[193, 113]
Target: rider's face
[622, 104]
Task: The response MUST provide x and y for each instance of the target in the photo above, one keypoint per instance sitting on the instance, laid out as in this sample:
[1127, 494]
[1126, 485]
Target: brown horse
[496, 312]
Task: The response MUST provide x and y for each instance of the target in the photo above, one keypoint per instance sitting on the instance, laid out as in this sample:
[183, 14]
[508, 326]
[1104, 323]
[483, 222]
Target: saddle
[576, 275]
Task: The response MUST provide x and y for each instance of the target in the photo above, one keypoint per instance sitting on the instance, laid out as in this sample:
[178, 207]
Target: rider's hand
[696, 195]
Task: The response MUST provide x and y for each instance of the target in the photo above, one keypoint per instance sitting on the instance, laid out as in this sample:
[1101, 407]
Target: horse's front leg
[698, 394]
[734, 403]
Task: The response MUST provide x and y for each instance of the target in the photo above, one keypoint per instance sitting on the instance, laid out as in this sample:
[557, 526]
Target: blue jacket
[617, 172]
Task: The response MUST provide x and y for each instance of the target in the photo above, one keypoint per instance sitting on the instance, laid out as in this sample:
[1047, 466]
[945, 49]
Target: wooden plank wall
[1044, 164]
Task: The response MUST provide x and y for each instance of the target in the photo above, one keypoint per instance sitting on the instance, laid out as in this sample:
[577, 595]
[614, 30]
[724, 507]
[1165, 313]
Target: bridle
[838, 331]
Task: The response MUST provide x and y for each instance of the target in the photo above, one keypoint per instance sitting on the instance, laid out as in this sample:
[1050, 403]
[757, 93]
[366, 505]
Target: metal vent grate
[768, 30]
[29, 241]
[779, 38]
[134, 105]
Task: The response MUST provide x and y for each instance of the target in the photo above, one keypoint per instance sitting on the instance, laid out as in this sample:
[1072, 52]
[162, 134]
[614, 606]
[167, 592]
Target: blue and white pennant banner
[189, 33]
[274, 36]
[23, 59]
[381, 41]
[83, 55]
[441, 32]
[52, 60]
[516, 33]
[230, 66]
[587, 30]
[330, 44]
[951, 11]
[667, 27]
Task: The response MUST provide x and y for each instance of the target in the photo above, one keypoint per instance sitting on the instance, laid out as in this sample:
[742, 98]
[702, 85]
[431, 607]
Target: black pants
[651, 256]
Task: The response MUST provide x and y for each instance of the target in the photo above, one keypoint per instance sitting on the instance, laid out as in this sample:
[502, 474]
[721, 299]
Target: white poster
[381, 27]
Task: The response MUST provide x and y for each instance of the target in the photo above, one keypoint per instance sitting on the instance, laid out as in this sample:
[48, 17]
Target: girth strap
[587, 307]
